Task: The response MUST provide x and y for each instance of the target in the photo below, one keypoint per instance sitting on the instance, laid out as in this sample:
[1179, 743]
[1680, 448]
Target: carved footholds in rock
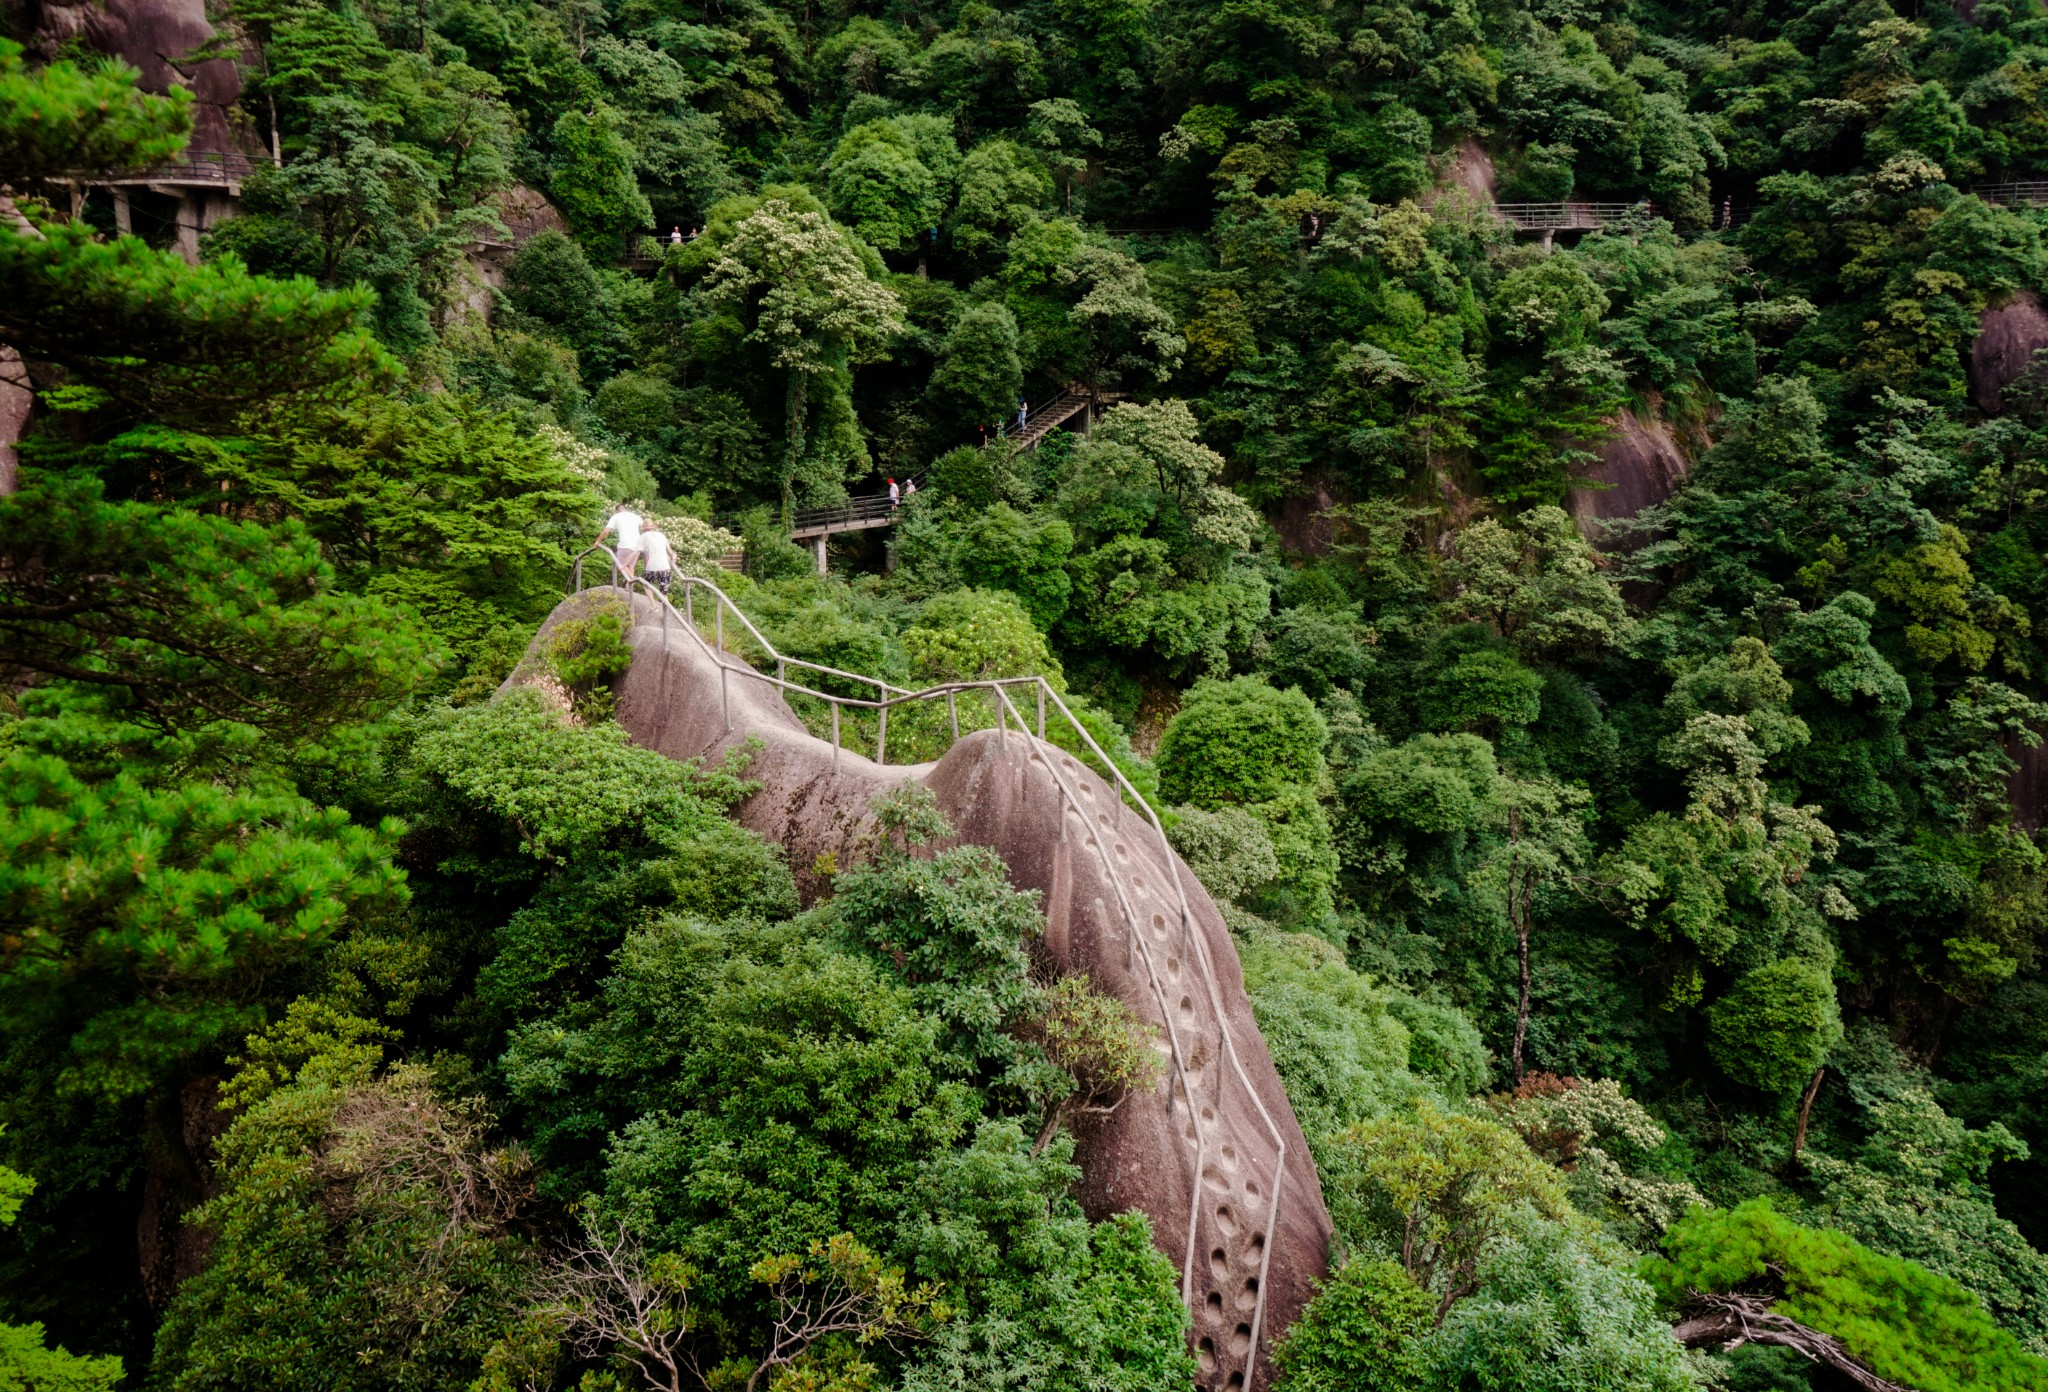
[1213, 1156]
[2008, 334]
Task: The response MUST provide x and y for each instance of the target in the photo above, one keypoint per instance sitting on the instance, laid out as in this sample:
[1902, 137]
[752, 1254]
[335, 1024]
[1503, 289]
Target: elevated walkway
[206, 186]
[2032, 194]
[1040, 421]
[1212, 1154]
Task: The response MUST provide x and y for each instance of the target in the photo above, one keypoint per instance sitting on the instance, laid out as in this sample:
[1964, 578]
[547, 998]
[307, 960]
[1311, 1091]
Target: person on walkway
[626, 523]
[909, 489]
[659, 557]
[1023, 414]
[675, 237]
[895, 494]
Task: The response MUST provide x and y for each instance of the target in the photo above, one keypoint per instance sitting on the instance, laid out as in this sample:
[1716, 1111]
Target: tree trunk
[1728, 1320]
[794, 430]
[1522, 1004]
[1806, 1112]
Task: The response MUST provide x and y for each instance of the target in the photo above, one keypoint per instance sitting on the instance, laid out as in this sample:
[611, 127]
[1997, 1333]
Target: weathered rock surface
[2007, 336]
[1304, 523]
[1640, 466]
[1003, 792]
[17, 404]
[1469, 172]
[2027, 786]
[155, 36]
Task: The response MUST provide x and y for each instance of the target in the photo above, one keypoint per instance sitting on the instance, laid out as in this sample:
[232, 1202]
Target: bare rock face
[1470, 173]
[1213, 1156]
[526, 213]
[2007, 336]
[1304, 522]
[154, 36]
[17, 403]
[2027, 786]
[1640, 467]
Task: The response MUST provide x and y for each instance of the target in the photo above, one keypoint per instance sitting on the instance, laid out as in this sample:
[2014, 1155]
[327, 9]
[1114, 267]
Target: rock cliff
[1640, 466]
[157, 37]
[2008, 335]
[1198, 1155]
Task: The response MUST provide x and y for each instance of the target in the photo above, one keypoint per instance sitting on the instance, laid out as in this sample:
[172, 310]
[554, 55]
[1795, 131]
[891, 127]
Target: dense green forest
[1640, 916]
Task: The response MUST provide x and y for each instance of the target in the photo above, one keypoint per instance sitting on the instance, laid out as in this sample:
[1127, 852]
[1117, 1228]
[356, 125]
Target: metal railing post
[689, 608]
[953, 715]
[718, 627]
[882, 735]
[835, 736]
[1040, 690]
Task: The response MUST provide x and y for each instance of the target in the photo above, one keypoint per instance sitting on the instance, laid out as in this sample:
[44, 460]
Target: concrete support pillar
[191, 222]
[1549, 235]
[818, 551]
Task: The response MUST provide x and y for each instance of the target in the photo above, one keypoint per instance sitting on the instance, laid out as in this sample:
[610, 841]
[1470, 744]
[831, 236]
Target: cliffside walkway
[218, 169]
[1224, 1247]
[2019, 195]
[1553, 218]
[814, 526]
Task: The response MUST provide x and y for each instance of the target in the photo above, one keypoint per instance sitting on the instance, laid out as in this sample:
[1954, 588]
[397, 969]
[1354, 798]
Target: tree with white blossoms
[1537, 583]
[813, 293]
[1598, 1136]
[1127, 336]
[1154, 449]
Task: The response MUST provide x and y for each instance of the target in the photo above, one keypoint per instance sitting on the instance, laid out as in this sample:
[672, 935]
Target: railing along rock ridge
[1225, 1239]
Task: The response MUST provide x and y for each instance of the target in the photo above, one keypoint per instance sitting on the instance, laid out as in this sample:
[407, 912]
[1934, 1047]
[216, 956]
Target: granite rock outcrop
[1198, 1156]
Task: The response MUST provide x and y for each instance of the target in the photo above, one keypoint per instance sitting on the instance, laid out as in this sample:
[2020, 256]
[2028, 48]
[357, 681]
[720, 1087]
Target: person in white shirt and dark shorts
[626, 523]
[654, 543]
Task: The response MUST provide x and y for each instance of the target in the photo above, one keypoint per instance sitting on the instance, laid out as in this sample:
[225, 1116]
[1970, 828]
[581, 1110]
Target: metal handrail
[194, 166]
[889, 696]
[2027, 192]
[1570, 215]
[864, 508]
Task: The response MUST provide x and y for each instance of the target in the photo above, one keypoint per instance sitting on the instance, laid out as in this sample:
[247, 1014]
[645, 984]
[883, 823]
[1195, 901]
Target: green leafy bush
[1362, 1331]
[1776, 1024]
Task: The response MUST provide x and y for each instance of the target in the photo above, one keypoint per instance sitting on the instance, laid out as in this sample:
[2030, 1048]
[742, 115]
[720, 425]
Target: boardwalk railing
[1002, 694]
[2021, 195]
[869, 510]
[1568, 217]
[215, 167]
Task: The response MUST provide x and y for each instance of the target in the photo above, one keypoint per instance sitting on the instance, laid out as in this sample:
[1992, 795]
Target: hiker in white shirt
[659, 557]
[626, 523]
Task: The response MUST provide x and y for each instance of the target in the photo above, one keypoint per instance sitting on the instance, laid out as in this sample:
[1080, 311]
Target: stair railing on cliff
[888, 695]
